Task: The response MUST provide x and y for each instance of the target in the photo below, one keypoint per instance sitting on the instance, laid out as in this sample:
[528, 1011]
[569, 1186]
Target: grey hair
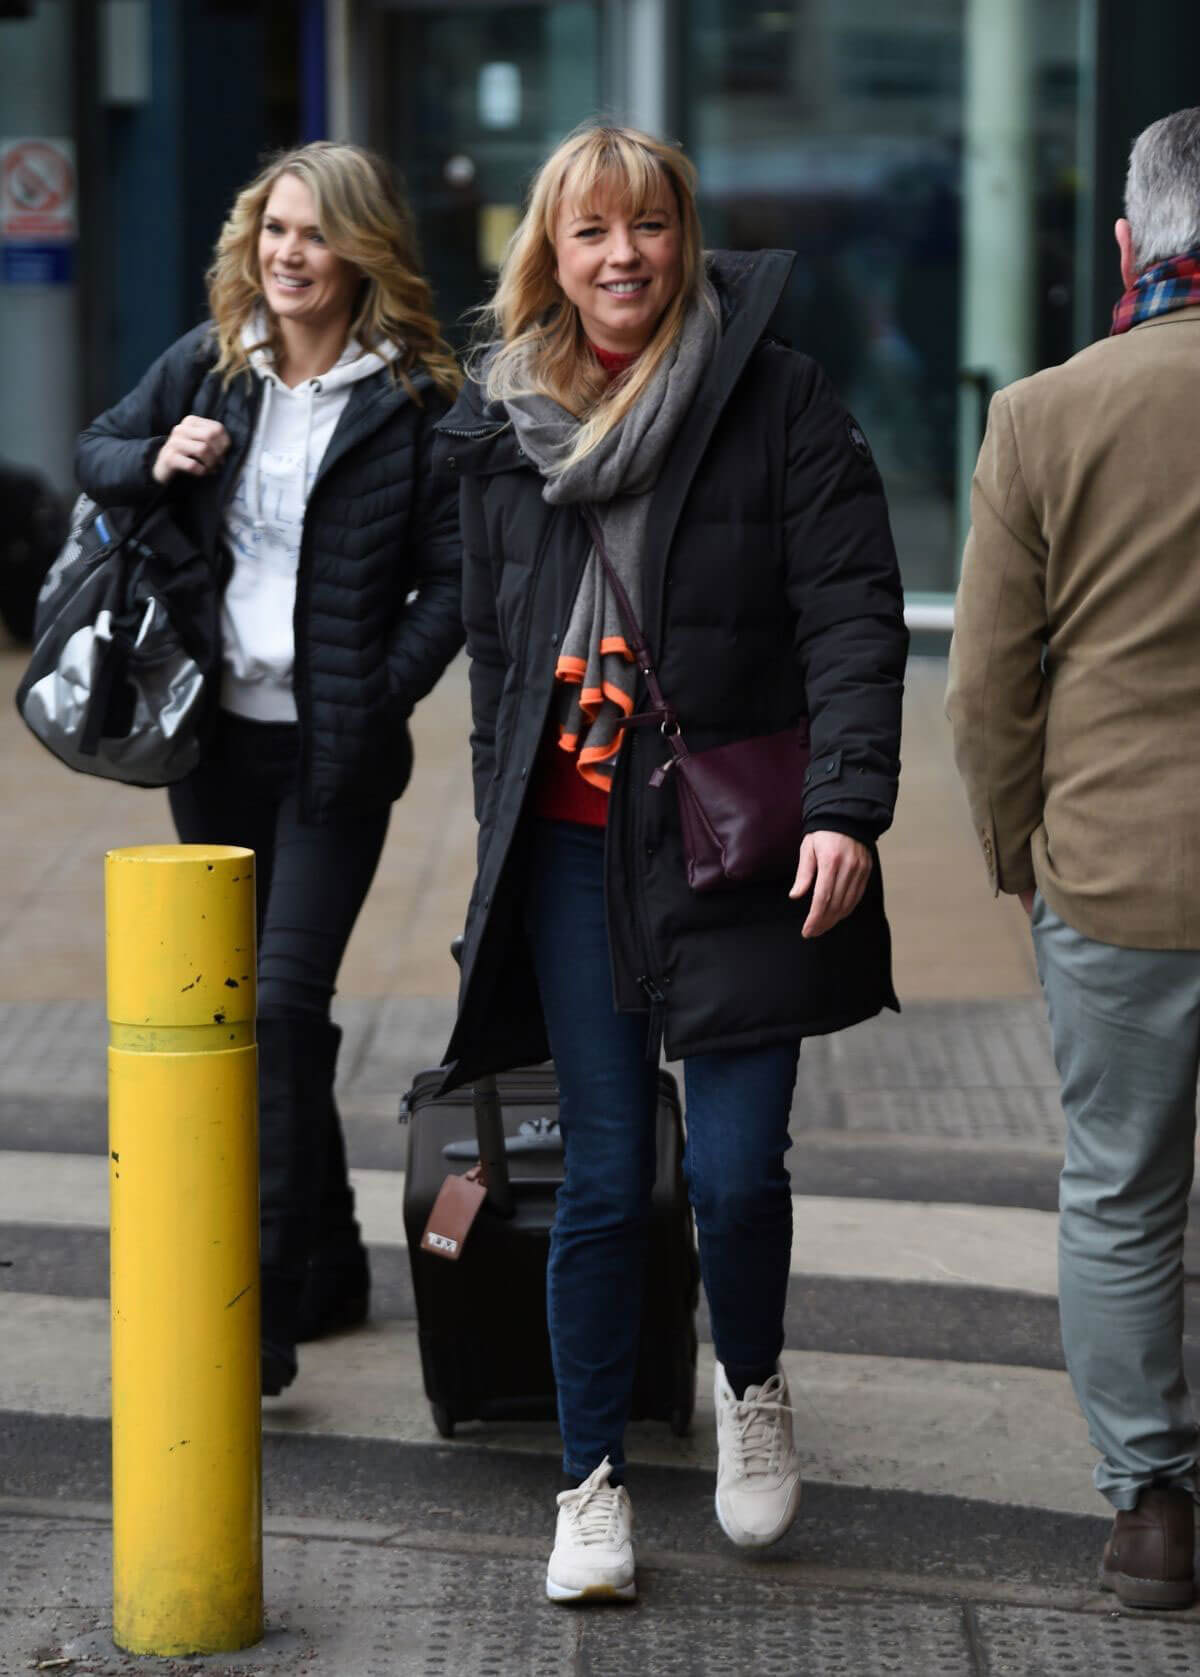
[1162, 188]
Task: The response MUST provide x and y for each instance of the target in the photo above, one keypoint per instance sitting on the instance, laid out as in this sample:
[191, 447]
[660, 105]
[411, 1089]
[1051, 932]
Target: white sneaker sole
[748, 1540]
[592, 1592]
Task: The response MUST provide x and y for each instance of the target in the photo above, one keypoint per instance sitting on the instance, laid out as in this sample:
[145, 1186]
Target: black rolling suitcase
[481, 1318]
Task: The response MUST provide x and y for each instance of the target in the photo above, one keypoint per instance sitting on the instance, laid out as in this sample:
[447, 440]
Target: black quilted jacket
[377, 597]
[771, 592]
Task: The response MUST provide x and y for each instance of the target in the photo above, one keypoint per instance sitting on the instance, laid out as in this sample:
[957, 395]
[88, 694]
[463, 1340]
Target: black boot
[297, 1055]
[338, 1282]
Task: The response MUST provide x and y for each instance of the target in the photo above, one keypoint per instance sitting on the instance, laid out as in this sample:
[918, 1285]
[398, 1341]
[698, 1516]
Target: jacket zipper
[300, 613]
[519, 663]
[647, 981]
[478, 432]
[300, 668]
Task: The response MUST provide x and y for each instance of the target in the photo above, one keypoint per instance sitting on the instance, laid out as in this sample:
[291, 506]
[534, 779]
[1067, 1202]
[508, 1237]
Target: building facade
[947, 173]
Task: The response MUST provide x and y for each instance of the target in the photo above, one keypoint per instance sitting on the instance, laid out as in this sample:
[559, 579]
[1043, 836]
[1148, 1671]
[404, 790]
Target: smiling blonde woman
[632, 375]
[292, 435]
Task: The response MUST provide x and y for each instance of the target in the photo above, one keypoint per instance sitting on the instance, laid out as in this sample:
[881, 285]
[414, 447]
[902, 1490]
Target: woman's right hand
[195, 446]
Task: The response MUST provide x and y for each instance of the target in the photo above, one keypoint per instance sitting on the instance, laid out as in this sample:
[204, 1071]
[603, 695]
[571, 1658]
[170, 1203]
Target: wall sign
[39, 222]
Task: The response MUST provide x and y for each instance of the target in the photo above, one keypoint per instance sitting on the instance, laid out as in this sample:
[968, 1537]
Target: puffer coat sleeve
[429, 631]
[843, 584]
[115, 454]
[488, 661]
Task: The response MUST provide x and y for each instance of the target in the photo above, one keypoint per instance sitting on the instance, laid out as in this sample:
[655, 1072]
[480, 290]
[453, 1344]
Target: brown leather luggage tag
[454, 1210]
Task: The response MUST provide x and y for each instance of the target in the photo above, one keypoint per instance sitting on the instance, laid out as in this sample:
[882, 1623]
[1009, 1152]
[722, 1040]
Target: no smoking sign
[37, 191]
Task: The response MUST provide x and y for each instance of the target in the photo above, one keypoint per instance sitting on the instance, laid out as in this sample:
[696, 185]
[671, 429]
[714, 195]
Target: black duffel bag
[126, 647]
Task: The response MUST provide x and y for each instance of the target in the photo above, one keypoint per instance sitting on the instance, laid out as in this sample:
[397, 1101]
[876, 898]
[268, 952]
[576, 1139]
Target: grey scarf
[595, 666]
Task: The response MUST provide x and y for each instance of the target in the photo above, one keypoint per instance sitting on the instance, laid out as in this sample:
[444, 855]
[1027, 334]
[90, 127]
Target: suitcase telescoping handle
[489, 1133]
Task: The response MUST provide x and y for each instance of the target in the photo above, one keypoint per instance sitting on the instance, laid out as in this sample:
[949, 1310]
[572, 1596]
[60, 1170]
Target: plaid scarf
[1173, 284]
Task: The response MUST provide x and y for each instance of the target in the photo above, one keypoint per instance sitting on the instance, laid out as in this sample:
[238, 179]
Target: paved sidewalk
[952, 942]
[948, 1525]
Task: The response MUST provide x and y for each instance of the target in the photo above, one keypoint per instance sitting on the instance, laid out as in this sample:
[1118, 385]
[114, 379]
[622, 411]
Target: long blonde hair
[364, 220]
[536, 336]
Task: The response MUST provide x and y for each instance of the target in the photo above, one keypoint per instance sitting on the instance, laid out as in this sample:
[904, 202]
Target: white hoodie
[264, 521]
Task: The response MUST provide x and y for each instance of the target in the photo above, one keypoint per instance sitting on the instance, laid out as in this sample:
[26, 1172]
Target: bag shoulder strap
[660, 711]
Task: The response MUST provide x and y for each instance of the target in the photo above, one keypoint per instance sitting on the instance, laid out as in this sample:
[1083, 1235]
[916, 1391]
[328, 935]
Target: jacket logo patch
[858, 439]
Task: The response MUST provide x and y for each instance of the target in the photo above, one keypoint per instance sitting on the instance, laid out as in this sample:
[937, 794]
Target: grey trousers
[1125, 1024]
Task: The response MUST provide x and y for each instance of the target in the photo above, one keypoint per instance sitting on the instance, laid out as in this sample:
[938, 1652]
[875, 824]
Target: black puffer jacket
[378, 528]
[771, 590]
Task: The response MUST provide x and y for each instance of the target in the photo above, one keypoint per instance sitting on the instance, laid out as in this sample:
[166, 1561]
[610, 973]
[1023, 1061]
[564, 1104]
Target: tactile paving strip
[979, 1071]
[1033, 1116]
[1028, 1642]
[358, 1610]
[341, 1609]
[955, 1045]
[333, 1610]
[685, 1627]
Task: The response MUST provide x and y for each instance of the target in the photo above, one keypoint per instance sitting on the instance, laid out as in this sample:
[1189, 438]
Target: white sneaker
[593, 1542]
[758, 1471]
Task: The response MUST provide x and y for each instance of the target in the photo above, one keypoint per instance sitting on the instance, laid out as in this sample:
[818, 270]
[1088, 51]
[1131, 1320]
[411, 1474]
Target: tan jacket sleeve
[996, 699]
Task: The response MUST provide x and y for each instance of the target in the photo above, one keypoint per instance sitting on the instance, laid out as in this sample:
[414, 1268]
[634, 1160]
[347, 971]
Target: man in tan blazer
[1075, 702]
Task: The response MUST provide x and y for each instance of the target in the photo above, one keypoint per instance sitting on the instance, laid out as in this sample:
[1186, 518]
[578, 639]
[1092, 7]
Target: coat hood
[353, 364]
[322, 398]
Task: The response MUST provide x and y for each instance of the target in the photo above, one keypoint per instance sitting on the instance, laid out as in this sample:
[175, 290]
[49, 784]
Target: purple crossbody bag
[741, 805]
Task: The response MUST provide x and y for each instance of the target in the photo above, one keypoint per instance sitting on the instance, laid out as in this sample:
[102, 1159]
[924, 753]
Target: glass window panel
[497, 87]
[836, 128]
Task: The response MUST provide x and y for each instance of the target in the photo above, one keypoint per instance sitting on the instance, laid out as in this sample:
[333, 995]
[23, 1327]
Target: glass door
[466, 100]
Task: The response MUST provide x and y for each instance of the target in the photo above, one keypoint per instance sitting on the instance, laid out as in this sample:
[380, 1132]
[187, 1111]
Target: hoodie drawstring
[314, 390]
[255, 472]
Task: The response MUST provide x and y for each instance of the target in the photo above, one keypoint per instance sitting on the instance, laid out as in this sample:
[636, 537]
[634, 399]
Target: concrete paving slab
[846, 1315]
[831, 1313]
[1032, 1116]
[951, 939]
[353, 1599]
[956, 1044]
[56, 826]
[463, 1494]
[57, 1050]
[359, 1610]
[979, 1430]
[345, 1610]
[979, 1072]
[889, 1240]
[823, 1163]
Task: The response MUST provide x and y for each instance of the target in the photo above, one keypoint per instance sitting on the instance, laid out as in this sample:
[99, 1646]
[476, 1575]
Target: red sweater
[560, 793]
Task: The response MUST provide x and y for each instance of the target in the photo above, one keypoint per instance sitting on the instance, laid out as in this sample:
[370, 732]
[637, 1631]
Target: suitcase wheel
[443, 1420]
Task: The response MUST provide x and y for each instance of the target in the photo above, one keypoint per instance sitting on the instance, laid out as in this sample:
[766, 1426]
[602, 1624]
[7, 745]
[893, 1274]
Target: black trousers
[311, 879]
[311, 883]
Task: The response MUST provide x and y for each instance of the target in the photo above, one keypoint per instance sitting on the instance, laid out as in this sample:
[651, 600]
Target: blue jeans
[738, 1106]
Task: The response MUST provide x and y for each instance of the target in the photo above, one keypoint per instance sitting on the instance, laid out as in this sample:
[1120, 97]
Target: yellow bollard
[183, 1178]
